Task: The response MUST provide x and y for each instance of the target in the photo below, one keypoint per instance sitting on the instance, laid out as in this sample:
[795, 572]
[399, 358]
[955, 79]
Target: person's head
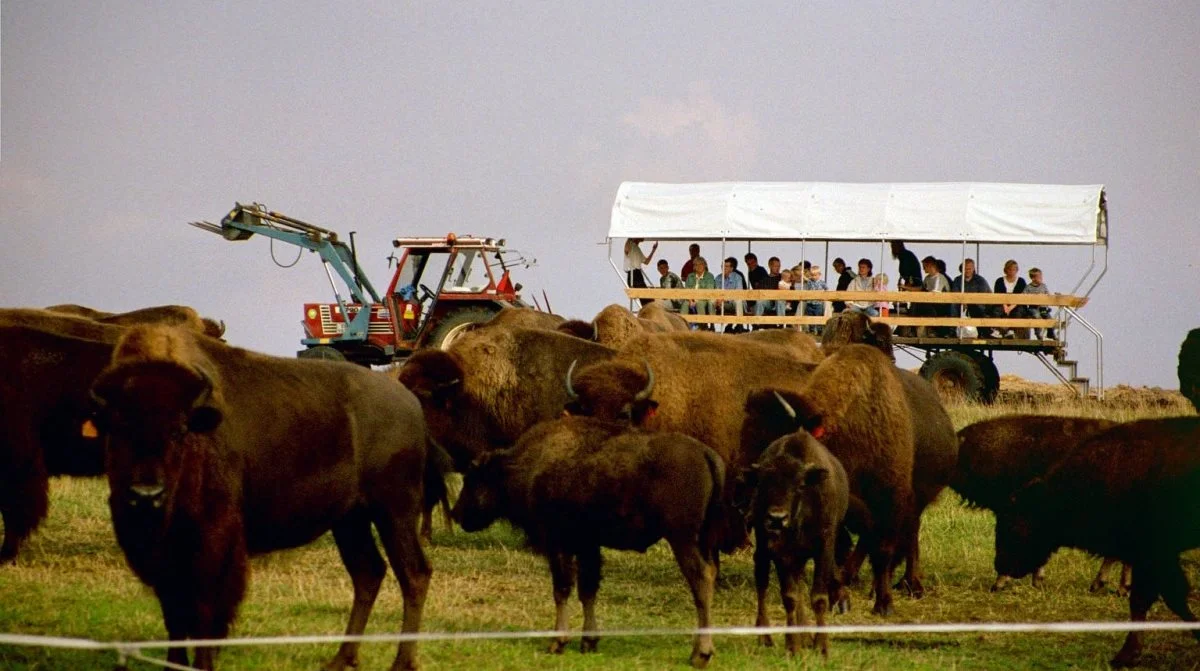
[693, 251]
[806, 265]
[929, 265]
[1035, 275]
[751, 260]
[786, 275]
[865, 267]
[730, 266]
[773, 265]
[814, 272]
[968, 268]
[897, 249]
[663, 267]
[941, 266]
[839, 265]
[636, 241]
[699, 265]
[1010, 270]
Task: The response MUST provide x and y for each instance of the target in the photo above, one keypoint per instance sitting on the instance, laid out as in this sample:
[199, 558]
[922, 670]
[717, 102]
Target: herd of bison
[617, 432]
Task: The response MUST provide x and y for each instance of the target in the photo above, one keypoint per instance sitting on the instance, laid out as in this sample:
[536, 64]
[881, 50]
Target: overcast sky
[121, 121]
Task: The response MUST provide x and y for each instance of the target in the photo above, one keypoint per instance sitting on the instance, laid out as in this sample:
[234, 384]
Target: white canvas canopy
[933, 212]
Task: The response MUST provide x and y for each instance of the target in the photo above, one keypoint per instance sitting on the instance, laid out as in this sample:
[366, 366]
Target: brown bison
[1130, 493]
[1189, 368]
[803, 346]
[492, 385]
[526, 318]
[575, 485]
[996, 457]
[216, 453]
[168, 315]
[934, 459]
[47, 362]
[800, 501]
[850, 328]
[616, 325]
[854, 402]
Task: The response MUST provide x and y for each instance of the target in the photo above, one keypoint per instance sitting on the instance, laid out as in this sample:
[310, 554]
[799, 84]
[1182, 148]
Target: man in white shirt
[634, 260]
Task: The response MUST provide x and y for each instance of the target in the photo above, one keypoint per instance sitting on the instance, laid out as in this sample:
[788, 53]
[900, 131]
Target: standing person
[862, 282]
[693, 254]
[969, 282]
[1036, 286]
[669, 280]
[814, 308]
[1010, 283]
[771, 281]
[634, 260]
[756, 278]
[910, 269]
[730, 278]
[844, 278]
[700, 278]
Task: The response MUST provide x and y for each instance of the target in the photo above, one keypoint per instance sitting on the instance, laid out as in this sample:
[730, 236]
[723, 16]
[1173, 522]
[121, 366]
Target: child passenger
[1037, 286]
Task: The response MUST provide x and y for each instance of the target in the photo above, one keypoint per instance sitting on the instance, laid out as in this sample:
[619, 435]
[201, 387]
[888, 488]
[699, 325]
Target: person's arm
[653, 248]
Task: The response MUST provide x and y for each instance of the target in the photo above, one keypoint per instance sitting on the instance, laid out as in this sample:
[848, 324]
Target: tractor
[441, 287]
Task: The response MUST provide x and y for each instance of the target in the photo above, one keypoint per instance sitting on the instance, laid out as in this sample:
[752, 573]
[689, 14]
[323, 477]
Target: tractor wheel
[457, 323]
[955, 375]
[321, 352]
[991, 377]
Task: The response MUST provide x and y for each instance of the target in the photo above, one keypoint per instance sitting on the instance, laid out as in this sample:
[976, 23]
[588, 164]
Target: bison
[1189, 368]
[215, 453]
[800, 501]
[855, 403]
[615, 325]
[492, 385]
[996, 457]
[1130, 493]
[170, 315]
[575, 485]
[850, 328]
[47, 362]
[799, 343]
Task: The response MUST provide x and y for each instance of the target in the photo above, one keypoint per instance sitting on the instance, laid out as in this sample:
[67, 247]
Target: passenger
[700, 278]
[974, 284]
[814, 308]
[910, 269]
[844, 278]
[934, 282]
[774, 277]
[862, 282]
[1036, 286]
[669, 280]
[731, 278]
[1011, 283]
[634, 260]
[756, 278]
[693, 254]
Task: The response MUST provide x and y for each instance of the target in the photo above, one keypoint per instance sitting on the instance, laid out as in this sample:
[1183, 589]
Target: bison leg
[1098, 581]
[701, 577]
[1144, 594]
[762, 580]
[881, 565]
[402, 543]
[1126, 580]
[589, 584]
[790, 577]
[1174, 587]
[911, 582]
[562, 575]
[824, 587]
[24, 499]
[362, 560]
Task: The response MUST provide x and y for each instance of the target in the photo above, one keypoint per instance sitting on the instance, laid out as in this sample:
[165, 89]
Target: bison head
[612, 391]
[772, 413]
[483, 499]
[1023, 541]
[149, 413]
[850, 328]
[784, 483]
[577, 328]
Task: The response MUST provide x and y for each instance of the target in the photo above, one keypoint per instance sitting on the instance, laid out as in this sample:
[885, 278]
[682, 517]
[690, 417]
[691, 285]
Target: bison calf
[576, 484]
[998, 456]
[1131, 493]
[215, 453]
[800, 499]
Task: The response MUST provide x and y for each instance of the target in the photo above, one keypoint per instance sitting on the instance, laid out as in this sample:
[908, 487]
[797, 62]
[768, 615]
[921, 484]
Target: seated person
[730, 278]
[814, 308]
[669, 280]
[971, 283]
[700, 278]
[1010, 283]
[862, 282]
[1037, 286]
[934, 282]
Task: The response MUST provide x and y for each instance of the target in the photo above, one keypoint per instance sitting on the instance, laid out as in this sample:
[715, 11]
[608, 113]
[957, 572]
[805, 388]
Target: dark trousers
[635, 279]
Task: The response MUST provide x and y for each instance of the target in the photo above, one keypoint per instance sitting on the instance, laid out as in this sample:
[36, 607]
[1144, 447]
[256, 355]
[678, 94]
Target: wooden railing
[942, 298]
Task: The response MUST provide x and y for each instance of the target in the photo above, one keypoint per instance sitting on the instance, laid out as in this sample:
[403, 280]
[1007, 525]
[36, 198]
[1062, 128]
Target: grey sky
[122, 120]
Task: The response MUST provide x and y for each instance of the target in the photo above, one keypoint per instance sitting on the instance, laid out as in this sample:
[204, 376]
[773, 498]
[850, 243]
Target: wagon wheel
[321, 352]
[990, 388]
[955, 375]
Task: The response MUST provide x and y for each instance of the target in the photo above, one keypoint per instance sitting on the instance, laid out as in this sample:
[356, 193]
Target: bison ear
[204, 418]
[815, 475]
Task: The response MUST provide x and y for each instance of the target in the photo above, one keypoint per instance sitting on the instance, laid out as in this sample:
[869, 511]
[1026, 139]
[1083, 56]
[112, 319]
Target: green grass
[72, 581]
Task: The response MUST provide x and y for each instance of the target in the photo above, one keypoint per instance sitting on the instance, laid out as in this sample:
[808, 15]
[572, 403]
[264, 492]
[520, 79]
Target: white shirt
[634, 259]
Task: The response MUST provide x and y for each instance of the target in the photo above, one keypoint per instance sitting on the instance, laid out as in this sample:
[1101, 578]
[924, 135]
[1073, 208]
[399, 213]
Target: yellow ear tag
[88, 430]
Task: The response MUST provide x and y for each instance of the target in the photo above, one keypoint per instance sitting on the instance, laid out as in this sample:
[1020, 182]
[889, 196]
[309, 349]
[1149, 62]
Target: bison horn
[786, 406]
[595, 332]
[570, 388]
[645, 393]
[221, 331]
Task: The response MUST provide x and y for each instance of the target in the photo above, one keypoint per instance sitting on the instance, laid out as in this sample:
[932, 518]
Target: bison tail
[720, 530]
[438, 465]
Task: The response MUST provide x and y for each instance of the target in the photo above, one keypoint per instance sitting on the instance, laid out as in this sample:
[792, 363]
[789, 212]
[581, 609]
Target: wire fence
[135, 650]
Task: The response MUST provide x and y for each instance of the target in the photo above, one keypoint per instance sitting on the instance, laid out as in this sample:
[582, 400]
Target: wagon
[970, 216]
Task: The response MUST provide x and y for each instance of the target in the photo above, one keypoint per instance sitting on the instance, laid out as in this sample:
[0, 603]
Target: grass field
[72, 582]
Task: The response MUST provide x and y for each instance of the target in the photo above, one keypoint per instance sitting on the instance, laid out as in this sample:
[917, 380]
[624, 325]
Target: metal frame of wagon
[821, 212]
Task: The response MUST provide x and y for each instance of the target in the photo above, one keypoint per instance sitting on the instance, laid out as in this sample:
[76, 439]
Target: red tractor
[441, 286]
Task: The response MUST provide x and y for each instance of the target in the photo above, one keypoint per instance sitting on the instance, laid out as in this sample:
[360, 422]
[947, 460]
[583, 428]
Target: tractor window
[464, 274]
[410, 274]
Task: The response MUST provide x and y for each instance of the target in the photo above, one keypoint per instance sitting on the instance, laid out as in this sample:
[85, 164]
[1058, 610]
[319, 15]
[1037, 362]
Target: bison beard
[1131, 493]
[575, 485]
[215, 454]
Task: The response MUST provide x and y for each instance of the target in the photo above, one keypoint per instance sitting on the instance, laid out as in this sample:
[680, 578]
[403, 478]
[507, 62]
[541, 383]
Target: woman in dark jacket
[1011, 283]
